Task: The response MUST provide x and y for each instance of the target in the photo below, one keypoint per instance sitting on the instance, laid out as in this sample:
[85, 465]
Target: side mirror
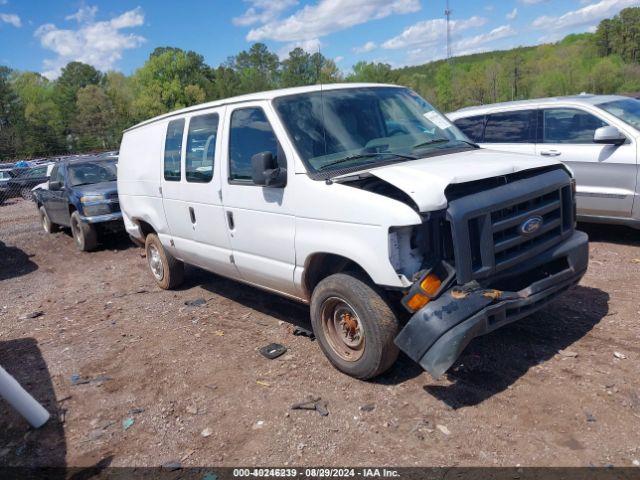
[55, 185]
[266, 172]
[609, 135]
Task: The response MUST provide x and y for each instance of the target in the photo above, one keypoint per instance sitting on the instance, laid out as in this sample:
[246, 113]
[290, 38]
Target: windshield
[627, 110]
[88, 173]
[348, 128]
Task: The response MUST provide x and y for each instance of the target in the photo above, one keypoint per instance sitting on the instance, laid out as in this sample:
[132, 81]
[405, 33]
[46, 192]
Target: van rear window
[173, 150]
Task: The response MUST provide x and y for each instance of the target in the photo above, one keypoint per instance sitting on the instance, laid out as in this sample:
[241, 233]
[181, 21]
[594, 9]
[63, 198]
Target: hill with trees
[86, 110]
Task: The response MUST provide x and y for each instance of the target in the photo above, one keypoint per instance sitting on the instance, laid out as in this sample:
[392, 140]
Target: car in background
[24, 179]
[82, 194]
[5, 176]
[44, 185]
[596, 136]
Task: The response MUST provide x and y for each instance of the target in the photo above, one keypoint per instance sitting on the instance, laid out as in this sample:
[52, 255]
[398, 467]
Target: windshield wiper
[433, 141]
[365, 155]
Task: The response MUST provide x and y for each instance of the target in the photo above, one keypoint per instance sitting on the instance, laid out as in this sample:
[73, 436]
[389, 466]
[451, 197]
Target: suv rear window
[472, 127]
[510, 127]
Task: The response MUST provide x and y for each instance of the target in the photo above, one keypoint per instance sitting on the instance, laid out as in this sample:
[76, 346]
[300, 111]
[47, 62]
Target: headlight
[92, 198]
[95, 210]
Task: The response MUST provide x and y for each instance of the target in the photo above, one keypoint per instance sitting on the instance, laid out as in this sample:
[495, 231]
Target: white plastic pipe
[20, 399]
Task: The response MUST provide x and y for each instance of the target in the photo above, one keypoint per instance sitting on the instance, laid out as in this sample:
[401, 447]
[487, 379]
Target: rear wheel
[26, 193]
[354, 325]
[167, 271]
[83, 233]
[47, 224]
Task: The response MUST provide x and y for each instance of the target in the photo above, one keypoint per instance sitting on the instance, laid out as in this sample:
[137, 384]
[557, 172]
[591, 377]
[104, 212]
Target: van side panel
[139, 170]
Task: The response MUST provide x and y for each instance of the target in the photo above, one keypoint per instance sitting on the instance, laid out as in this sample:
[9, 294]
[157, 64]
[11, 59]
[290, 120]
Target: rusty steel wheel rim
[342, 329]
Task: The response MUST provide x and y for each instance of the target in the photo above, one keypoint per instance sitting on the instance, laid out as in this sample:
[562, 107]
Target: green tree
[371, 72]
[73, 77]
[171, 79]
[93, 123]
[257, 68]
[9, 115]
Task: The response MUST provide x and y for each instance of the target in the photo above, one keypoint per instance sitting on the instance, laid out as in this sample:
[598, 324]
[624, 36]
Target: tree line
[87, 110]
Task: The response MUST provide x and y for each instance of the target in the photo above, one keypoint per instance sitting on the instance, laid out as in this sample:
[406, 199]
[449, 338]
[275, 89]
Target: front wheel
[83, 233]
[354, 326]
[26, 193]
[167, 270]
[47, 224]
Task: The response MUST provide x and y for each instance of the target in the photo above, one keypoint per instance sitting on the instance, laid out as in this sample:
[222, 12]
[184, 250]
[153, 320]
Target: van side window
[472, 127]
[569, 125]
[510, 127]
[250, 133]
[173, 150]
[201, 148]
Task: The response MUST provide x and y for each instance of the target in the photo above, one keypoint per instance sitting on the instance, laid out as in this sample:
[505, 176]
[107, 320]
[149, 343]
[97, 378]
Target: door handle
[230, 221]
[550, 153]
[192, 214]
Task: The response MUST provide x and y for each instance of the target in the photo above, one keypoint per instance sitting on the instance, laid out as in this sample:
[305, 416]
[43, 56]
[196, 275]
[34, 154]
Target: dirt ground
[135, 377]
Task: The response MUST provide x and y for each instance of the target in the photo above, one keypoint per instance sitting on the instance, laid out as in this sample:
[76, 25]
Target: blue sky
[43, 35]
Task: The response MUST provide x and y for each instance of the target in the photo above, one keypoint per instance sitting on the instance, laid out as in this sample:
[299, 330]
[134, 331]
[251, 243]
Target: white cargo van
[363, 201]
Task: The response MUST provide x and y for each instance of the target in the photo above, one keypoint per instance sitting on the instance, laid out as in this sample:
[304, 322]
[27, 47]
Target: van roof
[267, 95]
[584, 98]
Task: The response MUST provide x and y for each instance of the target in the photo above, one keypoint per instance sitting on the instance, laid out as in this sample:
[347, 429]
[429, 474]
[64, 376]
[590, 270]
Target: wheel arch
[320, 265]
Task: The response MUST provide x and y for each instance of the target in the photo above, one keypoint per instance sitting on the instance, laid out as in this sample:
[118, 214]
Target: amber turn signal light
[429, 286]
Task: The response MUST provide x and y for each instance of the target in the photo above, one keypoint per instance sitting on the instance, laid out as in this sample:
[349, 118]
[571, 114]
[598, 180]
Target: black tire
[169, 273]
[26, 193]
[84, 234]
[376, 328]
[46, 222]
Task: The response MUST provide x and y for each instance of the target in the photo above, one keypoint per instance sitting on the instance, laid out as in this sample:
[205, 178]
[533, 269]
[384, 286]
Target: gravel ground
[135, 377]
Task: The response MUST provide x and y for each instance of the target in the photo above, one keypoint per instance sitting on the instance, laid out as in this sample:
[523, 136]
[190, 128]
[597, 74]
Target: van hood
[426, 179]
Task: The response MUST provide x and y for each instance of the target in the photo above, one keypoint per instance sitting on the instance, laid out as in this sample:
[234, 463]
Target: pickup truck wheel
[83, 233]
[26, 193]
[354, 326]
[47, 224]
[167, 271]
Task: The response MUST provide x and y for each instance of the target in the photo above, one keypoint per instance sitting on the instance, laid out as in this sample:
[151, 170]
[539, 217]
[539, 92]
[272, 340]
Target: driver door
[605, 174]
[55, 201]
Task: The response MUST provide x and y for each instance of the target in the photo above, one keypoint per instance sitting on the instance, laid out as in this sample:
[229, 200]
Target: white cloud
[313, 45]
[84, 14]
[430, 32]
[263, 11]
[532, 2]
[583, 16]
[97, 43]
[367, 47]
[4, 2]
[329, 16]
[11, 19]
[512, 14]
[479, 42]
[338, 59]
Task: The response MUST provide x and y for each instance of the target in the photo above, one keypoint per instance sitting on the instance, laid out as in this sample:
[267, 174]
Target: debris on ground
[76, 379]
[619, 355]
[303, 332]
[273, 350]
[443, 429]
[258, 425]
[197, 302]
[36, 314]
[262, 383]
[206, 432]
[568, 353]
[369, 407]
[172, 465]
[136, 411]
[312, 403]
[127, 423]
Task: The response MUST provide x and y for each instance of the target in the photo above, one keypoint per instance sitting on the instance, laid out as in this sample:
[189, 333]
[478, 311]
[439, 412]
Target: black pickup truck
[82, 195]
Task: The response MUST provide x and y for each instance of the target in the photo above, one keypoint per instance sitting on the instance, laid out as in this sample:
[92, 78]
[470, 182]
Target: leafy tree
[171, 79]
[257, 68]
[9, 115]
[74, 76]
[371, 72]
[93, 123]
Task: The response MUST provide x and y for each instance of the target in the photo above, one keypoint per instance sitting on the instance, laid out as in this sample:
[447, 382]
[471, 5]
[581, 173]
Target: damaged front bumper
[438, 333]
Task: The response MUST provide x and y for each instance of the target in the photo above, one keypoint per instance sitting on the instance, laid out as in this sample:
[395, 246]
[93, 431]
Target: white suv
[363, 201]
[596, 136]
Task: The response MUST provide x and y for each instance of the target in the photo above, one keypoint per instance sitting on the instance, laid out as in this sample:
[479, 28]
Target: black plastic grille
[488, 225]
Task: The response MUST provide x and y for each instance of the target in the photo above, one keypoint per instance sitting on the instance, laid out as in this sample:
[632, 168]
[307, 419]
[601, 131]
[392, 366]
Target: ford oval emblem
[531, 225]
